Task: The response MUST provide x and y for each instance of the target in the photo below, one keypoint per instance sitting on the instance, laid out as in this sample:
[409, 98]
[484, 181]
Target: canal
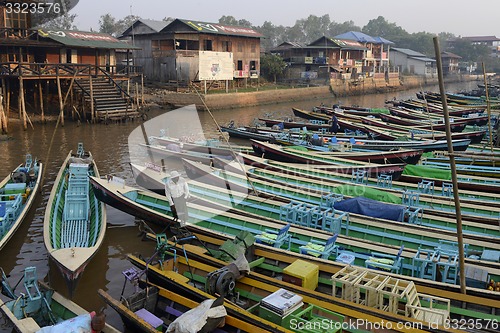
[109, 145]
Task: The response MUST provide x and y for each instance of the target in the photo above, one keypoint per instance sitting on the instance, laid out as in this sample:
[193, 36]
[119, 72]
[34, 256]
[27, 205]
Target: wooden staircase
[110, 101]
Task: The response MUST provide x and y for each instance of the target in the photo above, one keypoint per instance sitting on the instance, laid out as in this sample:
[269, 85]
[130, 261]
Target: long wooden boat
[152, 305]
[469, 184]
[260, 288]
[212, 147]
[279, 153]
[437, 108]
[244, 133]
[268, 261]
[202, 213]
[373, 128]
[456, 126]
[483, 194]
[408, 156]
[472, 119]
[17, 193]
[39, 306]
[159, 152]
[479, 217]
[75, 221]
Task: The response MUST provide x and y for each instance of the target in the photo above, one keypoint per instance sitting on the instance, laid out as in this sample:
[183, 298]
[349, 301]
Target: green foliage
[109, 25]
[271, 66]
[63, 22]
[230, 20]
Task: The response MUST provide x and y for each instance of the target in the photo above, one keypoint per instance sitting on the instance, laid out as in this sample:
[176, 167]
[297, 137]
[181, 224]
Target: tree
[230, 20]
[339, 28]
[272, 65]
[63, 22]
[107, 24]
[380, 27]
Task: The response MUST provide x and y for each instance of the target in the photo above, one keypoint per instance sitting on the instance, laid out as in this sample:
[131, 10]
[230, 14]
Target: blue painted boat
[17, 193]
[75, 221]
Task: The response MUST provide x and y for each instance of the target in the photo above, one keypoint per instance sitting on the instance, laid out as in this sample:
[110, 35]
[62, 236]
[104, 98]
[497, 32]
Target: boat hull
[72, 260]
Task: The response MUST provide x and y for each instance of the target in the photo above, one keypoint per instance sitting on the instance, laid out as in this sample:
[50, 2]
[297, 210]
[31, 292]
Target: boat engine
[223, 280]
[19, 176]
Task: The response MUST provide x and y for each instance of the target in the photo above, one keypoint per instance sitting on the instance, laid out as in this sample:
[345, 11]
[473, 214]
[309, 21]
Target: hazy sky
[460, 17]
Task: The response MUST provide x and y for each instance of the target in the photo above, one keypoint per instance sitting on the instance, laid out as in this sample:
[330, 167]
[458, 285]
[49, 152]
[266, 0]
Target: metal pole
[453, 167]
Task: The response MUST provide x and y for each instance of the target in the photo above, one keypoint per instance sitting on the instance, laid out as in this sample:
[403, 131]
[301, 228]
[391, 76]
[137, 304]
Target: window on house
[155, 45]
[15, 54]
[17, 20]
[240, 65]
[253, 65]
[226, 46]
[207, 45]
[240, 47]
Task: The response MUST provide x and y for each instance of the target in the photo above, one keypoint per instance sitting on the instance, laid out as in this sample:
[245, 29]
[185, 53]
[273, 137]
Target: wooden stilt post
[92, 111]
[59, 93]
[453, 168]
[22, 103]
[7, 103]
[3, 124]
[40, 93]
[137, 94]
[3, 99]
[72, 102]
[142, 89]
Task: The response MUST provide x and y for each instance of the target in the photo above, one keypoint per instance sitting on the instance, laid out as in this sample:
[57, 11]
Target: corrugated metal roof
[155, 24]
[482, 38]
[445, 54]
[348, 44]
[85, 39]
[216, 28]
[423, 59]
[408, 52]
[382, 40]
[357, 36]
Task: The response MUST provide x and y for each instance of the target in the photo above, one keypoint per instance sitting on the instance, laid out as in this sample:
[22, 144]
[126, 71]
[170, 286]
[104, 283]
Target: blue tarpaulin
[373, 208]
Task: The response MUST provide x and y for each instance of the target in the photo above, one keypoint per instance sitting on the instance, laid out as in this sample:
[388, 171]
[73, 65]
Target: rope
[225, 139]
[50, 148]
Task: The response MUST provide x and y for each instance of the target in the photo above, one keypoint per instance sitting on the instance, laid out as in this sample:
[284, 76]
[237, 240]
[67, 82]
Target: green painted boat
[75, 221]
[38, 308]
[202, 213]
[17, 193]
[255, 293]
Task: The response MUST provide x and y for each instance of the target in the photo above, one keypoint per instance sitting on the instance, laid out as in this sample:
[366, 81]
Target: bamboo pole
[59, 93]
[40, 93]
[22, 103]
[453, 168]
[3, 123]
[488, 108]
[137, 94]
[92, 111]
[3, 98]
[7, 104]
[142, 89]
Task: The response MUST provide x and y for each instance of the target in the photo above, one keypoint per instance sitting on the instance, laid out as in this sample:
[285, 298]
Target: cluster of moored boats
[301, 230]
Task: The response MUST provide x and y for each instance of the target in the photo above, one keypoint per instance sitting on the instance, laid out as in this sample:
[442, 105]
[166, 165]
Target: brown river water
[109, 146]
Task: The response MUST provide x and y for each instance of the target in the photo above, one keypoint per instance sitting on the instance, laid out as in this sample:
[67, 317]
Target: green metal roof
[85, 39]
